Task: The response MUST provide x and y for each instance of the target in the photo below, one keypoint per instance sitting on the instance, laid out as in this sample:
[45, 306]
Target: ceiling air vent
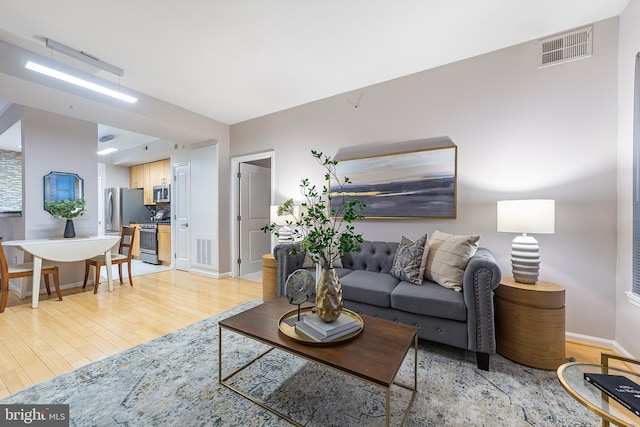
[566, 47]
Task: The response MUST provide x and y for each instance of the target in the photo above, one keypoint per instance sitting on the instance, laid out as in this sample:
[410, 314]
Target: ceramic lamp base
[285, 235]
[525, 259]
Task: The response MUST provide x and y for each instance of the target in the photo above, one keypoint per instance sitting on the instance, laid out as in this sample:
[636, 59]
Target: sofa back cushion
[372, 256]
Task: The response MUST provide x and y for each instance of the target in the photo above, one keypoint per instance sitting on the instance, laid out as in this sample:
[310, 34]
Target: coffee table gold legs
[223, 381]
[413, 389]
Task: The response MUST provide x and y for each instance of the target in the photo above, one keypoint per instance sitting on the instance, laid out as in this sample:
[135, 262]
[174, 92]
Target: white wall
[51, 142]
[205, 204]
[116, 176]
[521, 132]
[62, 144]
[627, 315]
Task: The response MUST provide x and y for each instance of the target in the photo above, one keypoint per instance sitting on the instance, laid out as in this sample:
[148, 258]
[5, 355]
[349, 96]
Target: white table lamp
[285, 232]
[526, 216]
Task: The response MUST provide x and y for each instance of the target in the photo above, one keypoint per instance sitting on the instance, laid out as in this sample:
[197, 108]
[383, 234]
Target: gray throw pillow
[409, 261]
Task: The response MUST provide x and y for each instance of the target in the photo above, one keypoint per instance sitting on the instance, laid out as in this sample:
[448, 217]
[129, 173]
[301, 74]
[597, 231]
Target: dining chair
[24, 270]
[123, 256]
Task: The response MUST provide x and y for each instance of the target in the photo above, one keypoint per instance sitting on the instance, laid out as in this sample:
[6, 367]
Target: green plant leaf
[326, 234]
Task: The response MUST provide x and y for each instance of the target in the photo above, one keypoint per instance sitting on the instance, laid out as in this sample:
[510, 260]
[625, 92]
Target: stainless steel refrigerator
[123, 206]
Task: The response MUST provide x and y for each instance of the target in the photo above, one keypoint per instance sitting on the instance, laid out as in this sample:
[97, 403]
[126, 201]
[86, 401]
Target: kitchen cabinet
[160, 172]
[136, 176]
[135, 250]
[147, 175]
[164, 243]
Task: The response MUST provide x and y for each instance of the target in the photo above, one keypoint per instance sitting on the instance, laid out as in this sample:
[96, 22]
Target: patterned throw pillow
[409, 261]
[448, 257]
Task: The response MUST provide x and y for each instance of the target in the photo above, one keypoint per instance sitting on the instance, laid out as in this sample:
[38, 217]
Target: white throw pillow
[448, 257]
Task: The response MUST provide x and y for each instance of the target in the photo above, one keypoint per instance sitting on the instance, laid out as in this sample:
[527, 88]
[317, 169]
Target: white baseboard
[43, 289]
[214, 274]
[588, 339]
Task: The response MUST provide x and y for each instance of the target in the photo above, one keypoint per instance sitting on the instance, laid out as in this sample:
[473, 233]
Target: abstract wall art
[415, 184]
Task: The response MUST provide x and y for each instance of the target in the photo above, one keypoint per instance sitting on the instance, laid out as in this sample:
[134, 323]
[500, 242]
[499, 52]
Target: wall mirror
[62, 186]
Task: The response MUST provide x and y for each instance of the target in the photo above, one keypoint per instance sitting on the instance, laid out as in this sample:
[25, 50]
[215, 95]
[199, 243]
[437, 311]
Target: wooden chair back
[127, 243]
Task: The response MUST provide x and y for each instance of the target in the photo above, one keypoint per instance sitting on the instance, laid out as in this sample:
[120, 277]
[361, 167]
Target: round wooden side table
[269, 277]
[530, 323]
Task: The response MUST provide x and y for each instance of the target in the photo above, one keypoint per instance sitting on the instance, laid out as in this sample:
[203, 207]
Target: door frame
[235, 199]
[174, 223]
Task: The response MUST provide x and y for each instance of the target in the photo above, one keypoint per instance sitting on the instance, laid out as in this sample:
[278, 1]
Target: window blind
[636, 244]
[636, 178]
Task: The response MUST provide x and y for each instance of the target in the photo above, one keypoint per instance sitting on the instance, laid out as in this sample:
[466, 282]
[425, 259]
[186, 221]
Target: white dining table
[64, 250]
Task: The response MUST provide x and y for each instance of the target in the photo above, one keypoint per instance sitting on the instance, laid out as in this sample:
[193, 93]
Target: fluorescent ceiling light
[78, 82]
[107, 151]
[84, 57]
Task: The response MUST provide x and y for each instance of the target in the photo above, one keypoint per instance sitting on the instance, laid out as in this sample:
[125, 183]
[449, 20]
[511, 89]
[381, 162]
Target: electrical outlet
[15, 260]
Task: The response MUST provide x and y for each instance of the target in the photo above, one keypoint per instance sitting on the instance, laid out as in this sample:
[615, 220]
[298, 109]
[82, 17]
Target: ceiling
[10, 140]
[236, 60]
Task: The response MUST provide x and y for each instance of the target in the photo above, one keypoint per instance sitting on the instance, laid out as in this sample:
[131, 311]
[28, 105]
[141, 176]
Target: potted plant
[325, 228]
[67, 209]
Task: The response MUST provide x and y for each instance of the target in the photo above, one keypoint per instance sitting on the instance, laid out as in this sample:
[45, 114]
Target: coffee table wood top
[375, 355]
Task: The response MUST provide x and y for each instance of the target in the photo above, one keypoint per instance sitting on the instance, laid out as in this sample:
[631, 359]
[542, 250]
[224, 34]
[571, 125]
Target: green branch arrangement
[324, 226]
[67, 209]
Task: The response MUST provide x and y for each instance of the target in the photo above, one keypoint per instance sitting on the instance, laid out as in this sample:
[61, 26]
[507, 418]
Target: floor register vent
[566, 47]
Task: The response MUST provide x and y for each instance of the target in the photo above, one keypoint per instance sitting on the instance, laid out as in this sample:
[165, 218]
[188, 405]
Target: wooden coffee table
[374, 356]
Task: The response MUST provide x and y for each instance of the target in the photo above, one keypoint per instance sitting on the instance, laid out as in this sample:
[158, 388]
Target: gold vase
[328, 296]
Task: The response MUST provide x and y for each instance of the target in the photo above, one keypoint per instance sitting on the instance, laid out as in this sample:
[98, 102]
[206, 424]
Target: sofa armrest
[481, 276]
[286, 263]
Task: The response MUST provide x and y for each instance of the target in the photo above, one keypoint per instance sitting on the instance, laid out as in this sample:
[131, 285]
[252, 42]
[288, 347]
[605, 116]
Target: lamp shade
[283, 219]
[527, 216]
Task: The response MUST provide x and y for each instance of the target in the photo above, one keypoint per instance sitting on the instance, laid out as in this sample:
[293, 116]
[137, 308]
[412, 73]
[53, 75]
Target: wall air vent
[566, 47]
[203, 249]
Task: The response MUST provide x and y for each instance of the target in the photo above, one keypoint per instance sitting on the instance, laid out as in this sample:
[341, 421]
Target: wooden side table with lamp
[530, 323]
[530, 315]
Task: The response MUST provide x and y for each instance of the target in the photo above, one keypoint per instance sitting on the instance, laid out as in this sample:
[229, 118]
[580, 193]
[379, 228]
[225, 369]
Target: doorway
[253, 189]
[181, 216]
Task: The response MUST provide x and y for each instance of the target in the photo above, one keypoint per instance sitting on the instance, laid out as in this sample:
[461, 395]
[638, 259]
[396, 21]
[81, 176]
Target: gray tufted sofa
[461, 319]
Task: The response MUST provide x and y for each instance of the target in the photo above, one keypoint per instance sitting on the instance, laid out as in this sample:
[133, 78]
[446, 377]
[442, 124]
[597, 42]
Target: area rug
[173, 381]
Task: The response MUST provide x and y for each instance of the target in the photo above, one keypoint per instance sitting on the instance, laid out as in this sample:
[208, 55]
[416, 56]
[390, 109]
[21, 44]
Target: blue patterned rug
[173, 381]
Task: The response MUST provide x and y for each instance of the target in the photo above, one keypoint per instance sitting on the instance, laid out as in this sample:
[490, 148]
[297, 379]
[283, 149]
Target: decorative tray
[290, 331]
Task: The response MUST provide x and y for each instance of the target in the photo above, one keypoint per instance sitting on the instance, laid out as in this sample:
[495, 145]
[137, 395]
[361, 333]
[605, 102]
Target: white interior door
[255, 198]
[180, 209]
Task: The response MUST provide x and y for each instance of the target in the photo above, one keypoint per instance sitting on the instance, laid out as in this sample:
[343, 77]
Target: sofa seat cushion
[339, 272]
[430, 299]
[368, 287]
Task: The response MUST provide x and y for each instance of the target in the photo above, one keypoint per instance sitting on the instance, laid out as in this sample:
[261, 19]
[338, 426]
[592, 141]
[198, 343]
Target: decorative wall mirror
[62, 186]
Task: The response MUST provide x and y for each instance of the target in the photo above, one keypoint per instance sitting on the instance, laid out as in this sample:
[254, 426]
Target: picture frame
[62, 186]
[411, 184]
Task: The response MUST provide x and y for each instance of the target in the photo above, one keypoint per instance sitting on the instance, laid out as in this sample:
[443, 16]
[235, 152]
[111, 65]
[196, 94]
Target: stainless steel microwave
[161, 193]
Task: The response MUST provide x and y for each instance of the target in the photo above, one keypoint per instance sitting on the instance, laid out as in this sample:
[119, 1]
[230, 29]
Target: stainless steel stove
[149, 240]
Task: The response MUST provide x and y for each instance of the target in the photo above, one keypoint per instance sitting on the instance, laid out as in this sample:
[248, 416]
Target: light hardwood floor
[60, 336]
